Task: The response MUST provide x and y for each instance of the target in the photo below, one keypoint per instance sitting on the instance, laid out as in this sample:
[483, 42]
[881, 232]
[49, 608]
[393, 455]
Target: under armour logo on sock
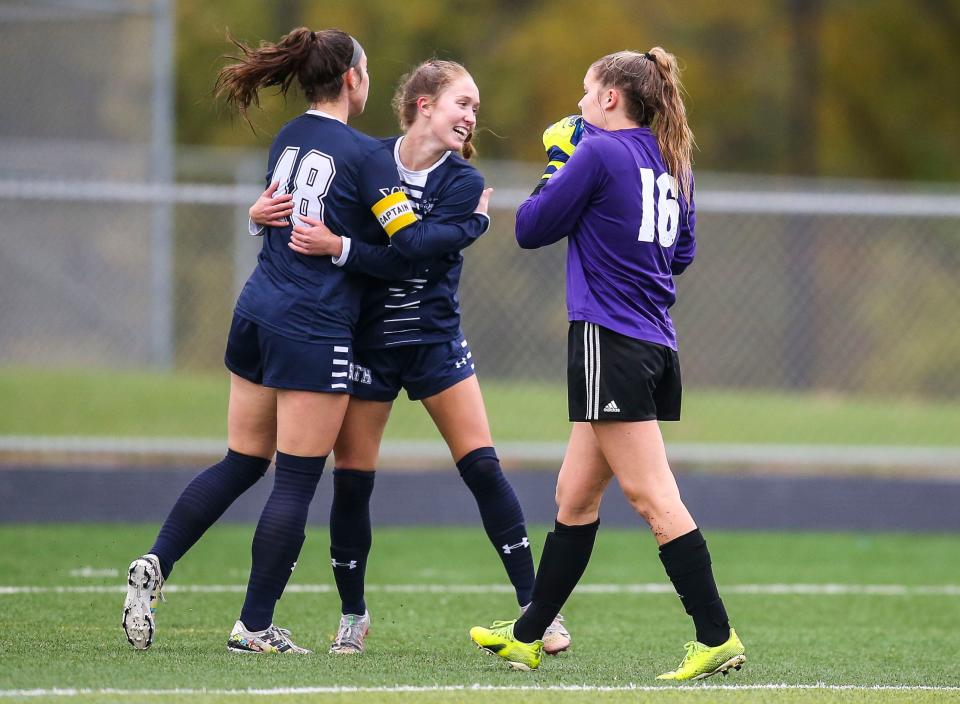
[524, 543]
[350, 565]
[611, 407]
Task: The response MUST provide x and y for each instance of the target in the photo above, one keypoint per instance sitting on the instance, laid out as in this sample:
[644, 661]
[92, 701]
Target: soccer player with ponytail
[409, 337]
[623, 197]
[290, 345]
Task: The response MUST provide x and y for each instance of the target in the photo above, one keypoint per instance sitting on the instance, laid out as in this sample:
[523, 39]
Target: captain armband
[394, 212]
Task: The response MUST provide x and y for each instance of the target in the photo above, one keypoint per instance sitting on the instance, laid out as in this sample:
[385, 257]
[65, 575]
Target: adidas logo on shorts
[611, 407]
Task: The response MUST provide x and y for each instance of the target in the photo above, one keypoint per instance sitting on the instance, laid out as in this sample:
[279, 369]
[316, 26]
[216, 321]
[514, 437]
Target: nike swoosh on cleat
[495, 647]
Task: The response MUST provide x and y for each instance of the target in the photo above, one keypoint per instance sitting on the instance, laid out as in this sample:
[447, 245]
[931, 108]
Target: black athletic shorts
[614, 377]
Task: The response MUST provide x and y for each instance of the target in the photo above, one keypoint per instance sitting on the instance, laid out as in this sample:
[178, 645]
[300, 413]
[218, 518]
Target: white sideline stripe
[64, 692]
[942, 458]
[652, 588]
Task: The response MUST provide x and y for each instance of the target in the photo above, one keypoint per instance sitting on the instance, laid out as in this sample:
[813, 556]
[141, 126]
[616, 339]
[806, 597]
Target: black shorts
[266, 358]
[614, 377]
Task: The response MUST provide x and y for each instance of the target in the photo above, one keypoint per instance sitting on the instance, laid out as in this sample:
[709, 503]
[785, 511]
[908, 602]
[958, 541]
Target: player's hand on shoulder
[270, 210]
[313, 238]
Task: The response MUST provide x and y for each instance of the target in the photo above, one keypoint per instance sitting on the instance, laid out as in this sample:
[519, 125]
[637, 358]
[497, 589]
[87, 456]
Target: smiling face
[452, 114]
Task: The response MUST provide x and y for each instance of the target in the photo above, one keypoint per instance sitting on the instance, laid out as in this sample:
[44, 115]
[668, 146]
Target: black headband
[648, 55]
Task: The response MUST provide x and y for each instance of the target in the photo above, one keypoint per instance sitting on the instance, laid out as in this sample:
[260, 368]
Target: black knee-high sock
[279, 536]
[566, 553]
[687, 562]
[203, 501]
[502, 517]
[350, 537]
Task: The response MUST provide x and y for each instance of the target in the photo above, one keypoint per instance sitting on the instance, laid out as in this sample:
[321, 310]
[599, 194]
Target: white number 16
[668, 209]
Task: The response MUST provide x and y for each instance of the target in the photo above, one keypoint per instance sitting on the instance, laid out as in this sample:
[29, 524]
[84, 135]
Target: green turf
[43, 402]
[51, 640]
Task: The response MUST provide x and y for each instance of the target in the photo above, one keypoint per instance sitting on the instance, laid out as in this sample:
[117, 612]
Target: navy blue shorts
[423, 370]
[266, 358]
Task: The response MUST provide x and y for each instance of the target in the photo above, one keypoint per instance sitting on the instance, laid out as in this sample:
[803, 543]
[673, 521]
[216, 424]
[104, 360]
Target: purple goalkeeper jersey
[630, 232]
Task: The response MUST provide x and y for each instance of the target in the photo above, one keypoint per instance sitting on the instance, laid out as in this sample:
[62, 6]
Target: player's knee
[480, 469]
[649, 503]
[576, 509]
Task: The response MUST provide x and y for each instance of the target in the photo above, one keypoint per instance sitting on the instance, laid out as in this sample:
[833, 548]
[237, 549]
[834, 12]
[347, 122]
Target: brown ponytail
[317, 60]
[428, 79]
[650, 83]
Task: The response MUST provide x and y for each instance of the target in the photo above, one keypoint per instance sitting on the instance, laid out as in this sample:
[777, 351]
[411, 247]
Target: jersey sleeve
[551, 214]
[451, 226]
[412, 238]
[686, 240]
[379, 189]
[386, 263]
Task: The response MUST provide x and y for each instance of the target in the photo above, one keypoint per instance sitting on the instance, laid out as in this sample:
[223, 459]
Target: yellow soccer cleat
[499, 640]
[702, 661]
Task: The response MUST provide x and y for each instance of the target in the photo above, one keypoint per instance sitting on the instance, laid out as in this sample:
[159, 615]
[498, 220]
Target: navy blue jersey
[344, 177]
[423, 308]
[349, 181]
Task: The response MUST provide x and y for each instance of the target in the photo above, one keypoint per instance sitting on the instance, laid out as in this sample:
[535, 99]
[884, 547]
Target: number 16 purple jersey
[630, 232]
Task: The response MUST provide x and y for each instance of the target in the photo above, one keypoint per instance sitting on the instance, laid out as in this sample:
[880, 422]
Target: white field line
[654, 588]
[397, 689]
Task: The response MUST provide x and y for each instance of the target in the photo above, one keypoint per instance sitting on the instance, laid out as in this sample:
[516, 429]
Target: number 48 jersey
[348, 180]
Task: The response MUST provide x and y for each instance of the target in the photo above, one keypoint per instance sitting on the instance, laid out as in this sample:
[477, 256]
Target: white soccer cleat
[351, 634]
[270, 640]
[144, 584]
[556, 638]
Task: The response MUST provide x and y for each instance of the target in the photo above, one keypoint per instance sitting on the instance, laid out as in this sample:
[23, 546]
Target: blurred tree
[821, 87]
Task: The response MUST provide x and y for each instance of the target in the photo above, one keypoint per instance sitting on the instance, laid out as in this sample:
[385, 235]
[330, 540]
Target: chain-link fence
[790, 290]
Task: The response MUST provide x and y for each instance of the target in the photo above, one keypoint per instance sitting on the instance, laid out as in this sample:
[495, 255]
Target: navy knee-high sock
[502, 517]
[566, 553]
[203, 501]
[350, 535]
[279, 536]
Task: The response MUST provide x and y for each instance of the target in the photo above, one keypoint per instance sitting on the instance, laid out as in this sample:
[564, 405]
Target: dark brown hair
[317, 60]
[428, 79]
[650, 83]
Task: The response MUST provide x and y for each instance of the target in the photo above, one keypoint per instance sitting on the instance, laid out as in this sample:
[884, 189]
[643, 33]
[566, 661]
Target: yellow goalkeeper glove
[559, 141]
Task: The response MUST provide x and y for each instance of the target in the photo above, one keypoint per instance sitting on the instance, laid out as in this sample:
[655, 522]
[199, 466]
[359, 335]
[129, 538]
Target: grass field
[841, 642]
[44, 402]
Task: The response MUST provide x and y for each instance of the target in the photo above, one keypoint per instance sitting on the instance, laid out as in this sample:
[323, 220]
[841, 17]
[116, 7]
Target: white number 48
[668, 209]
